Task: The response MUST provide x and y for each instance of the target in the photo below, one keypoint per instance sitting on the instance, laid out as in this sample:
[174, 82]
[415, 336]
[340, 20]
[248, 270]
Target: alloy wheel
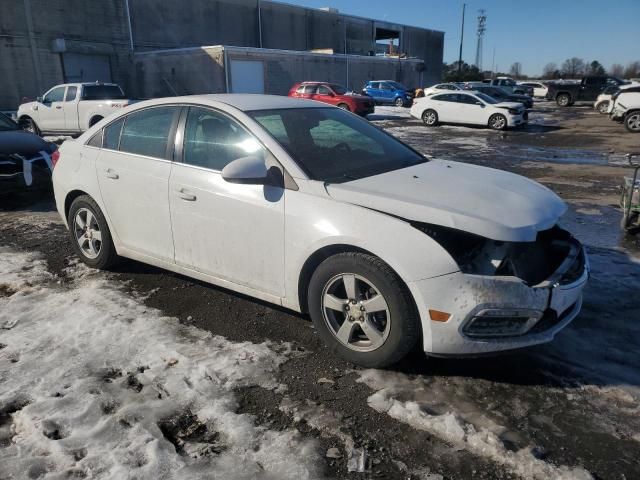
[356, 313]
[87, 233]
[430, 118]
[603, 107]
[498, 122]
[633, 122]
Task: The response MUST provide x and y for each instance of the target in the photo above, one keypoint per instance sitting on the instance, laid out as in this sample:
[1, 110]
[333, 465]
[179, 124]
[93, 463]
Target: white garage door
[80, 67]
[247, 76]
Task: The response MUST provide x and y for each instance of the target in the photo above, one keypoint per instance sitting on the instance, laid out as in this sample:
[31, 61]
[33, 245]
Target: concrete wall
[30, 65]
[202, 70]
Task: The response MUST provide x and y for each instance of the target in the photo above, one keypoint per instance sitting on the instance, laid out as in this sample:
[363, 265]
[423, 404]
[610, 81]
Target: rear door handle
[111, 174]
[185, 195]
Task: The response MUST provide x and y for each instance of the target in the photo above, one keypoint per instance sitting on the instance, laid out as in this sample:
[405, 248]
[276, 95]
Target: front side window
[55, 95]
[71, 94]
[213, 140]
[331, 145]
[339, 89]
[112, 135]
[147, 132]
[322, 90]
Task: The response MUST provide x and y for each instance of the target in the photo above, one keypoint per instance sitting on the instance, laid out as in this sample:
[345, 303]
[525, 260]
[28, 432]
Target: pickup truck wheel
[94, 120]
[603, 107]
[430, 118]
[29, 125]
[563, 100]
[399, 102]
[632, 122]
[498, 121]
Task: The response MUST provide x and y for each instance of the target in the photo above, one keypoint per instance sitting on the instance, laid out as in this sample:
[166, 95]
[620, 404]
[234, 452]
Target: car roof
[245, 102]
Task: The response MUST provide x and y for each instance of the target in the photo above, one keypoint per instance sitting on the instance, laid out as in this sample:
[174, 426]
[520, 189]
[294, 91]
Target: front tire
[498, 121]
[430, 118]
[362, 310]
[632, 122]
[563, 100]
[90, 235]
[399, 102]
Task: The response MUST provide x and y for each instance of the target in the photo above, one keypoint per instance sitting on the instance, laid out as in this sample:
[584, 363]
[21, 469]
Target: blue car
[388, 91]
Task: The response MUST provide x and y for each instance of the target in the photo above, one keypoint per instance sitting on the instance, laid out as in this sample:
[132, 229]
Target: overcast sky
[533, 32]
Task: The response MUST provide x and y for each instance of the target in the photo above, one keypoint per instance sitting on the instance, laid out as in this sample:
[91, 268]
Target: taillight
[55, 156]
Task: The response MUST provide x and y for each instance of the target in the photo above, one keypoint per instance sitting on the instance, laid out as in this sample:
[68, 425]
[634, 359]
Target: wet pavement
[569, 409]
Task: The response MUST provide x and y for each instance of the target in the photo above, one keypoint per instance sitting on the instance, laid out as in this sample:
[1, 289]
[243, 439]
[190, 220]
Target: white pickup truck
[72, 108]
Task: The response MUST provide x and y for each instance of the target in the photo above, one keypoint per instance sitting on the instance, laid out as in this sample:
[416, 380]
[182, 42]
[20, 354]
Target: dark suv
[566, 94]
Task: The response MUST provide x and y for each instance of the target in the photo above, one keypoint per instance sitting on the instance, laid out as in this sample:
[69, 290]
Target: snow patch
[473, 431]
[94, 384]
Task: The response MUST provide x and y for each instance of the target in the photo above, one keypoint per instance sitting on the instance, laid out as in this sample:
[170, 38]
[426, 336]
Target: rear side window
[213, 140]
[102, 92]
[71, 94]
[96, 140]
[112, 135]
[147, 132]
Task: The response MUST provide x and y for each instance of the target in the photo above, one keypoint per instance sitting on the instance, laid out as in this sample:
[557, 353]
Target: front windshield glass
[487, 98]
[7, 124]
[494, 92]
[334, 146]
[338, 89]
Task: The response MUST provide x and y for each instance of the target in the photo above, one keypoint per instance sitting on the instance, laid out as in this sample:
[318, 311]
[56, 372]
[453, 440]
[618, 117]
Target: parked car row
[624, 107]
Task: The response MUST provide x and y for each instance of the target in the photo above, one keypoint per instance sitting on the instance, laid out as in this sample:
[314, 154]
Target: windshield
[102, 92]
[338, 89]
[334, 146]
[487, 98]
[494, 92]
[6, 123]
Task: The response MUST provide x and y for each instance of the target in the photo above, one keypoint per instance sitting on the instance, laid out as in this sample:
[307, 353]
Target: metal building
[45, 42]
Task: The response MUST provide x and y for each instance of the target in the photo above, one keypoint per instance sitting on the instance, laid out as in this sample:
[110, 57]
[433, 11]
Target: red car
[334, 95]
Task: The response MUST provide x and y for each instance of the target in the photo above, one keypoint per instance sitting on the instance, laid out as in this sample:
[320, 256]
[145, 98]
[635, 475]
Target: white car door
[51, 110]
[230, 231]
[471, 110]
[71, 109]
[133, 171]
[444, 105]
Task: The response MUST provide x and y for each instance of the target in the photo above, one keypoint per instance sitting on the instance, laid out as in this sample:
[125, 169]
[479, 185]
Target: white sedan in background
[539, 89]
[441, 87]
[469, 107]
[307, 206]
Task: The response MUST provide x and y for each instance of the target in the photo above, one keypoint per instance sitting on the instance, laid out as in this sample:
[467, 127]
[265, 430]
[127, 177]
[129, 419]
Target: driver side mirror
[250, 170]
[480, 103]
[40, 99]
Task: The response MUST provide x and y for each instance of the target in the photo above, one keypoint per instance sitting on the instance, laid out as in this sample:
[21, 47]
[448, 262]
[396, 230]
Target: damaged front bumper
[493, 313]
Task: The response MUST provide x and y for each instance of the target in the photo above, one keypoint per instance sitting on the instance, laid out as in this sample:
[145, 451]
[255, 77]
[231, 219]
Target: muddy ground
[570, 405]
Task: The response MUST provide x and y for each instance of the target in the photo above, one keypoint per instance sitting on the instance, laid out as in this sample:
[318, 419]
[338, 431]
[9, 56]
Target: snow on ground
[95, 384]
[439, 410]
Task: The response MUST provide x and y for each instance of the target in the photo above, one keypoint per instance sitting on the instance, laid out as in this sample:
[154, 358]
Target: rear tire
[90, 235]
[563, 100]
[344, 106]
[632, 122]
[603, 107]
[430, 118]
[497, 121]
[379, 334]
[29, 125]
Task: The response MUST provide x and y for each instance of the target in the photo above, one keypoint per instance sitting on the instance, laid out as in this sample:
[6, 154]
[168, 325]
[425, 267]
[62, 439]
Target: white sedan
[310, 207]
[441, 87]
[469, 107]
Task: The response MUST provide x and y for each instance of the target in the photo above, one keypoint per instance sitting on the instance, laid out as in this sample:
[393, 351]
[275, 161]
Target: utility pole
[482, 28]
[493, 63]
[464, 6]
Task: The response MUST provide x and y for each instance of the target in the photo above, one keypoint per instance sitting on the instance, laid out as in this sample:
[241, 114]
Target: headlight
[513, 111]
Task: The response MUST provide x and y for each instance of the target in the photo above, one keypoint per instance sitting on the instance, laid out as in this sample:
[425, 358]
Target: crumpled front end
[506, 296]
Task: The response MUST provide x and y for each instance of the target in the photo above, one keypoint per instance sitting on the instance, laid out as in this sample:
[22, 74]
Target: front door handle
[185, 195]
[58, 107]
[111, 174]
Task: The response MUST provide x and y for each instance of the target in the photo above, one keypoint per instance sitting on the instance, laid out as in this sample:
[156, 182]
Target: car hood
[23, 143]
[508, 105]
[487, 202]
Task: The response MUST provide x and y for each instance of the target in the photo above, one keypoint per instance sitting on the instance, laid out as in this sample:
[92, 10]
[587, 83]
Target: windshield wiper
[343, 176]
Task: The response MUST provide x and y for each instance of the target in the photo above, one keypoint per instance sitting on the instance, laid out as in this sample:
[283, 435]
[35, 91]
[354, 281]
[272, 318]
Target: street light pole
[464, 6]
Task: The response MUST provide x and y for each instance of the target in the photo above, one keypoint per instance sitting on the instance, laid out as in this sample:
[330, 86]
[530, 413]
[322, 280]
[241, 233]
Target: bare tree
[617, 70]
[632, 70]
[549, 70]
[573, 67]
[516, 70]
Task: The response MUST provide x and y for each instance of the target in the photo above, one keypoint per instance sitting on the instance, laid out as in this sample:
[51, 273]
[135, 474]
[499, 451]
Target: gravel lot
[566, 410]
